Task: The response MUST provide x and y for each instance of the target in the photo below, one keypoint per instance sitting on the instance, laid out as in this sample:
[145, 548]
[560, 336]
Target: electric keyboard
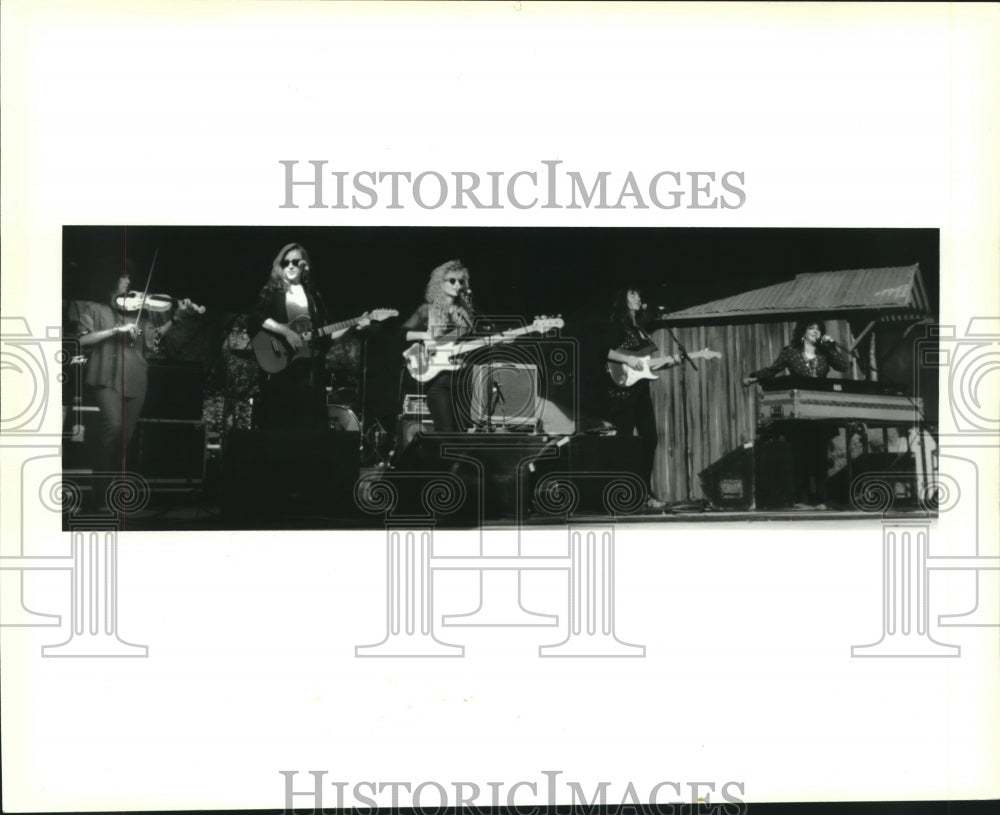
[791, 398]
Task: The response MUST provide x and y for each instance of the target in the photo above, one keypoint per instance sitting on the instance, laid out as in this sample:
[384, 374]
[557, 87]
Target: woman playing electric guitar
[447, 313]
[631, 408]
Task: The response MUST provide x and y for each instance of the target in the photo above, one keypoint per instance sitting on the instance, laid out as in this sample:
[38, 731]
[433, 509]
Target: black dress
[630, 410]
[294, 398]
[810, 443]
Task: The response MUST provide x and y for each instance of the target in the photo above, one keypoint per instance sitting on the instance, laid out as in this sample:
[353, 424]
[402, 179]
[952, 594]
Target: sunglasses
[300, 262]
[455, 280]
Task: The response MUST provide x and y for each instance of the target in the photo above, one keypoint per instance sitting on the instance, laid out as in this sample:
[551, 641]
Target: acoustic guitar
[274, 354]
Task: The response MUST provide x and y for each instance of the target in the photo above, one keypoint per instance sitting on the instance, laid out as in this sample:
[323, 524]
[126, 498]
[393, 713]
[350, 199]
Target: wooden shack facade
[704, 414]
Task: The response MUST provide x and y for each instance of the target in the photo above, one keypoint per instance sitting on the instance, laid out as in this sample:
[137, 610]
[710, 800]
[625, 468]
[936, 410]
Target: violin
[135, 301]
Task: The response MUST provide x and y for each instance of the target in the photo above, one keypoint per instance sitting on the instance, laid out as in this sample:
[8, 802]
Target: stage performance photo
[640, 375]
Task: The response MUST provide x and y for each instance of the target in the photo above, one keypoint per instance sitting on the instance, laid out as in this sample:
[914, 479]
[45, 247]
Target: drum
[342, 417]
[343, 396]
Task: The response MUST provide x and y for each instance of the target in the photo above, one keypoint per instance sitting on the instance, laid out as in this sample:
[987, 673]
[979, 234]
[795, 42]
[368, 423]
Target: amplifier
[175, 390]
[756, 475]
[171, 450]
[511, 390]
[81, 437]
[415, 404]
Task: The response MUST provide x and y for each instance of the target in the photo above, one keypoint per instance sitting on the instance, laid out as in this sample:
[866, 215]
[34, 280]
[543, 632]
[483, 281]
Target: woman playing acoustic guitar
[295, 396]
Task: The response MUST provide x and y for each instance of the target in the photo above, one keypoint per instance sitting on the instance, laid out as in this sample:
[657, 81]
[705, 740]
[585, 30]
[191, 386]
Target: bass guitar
[274, 354]
[625, 376]
[425, 361]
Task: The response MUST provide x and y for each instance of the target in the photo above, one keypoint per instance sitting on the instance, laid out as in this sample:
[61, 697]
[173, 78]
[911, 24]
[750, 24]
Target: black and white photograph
[501, 405]
[267, 377]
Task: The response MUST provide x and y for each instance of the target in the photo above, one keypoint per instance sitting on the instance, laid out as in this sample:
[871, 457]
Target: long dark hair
[104, 277]
[799, 332]
[621, 314]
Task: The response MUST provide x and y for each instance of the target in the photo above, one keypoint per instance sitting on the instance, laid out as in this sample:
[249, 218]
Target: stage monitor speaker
[270, 475]
[407, 428]
[493, 468]
[511, 388]
[170, 450]
[594, 466]
[756, 475]
[175, 390]
[81, 437]
[729, 482]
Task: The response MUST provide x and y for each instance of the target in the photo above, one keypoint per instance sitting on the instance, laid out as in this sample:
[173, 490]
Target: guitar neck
[326, 330]
[472, 345]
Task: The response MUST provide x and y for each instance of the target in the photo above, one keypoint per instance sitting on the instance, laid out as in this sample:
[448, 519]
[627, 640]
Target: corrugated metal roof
[896, 290]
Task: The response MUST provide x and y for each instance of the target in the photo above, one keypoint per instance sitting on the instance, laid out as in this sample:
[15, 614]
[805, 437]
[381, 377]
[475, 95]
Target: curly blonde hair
[443, 310]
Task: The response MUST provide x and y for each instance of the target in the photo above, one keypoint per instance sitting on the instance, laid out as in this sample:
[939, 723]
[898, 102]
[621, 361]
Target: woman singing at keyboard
[811, 353]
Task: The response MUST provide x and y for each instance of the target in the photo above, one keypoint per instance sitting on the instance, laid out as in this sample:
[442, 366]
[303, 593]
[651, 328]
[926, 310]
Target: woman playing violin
[116, 341]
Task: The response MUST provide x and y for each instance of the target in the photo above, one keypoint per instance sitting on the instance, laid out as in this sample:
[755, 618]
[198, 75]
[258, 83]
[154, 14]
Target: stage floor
[205, 516]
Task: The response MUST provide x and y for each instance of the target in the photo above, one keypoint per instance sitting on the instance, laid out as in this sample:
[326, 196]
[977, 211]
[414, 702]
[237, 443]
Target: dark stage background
[520, 271]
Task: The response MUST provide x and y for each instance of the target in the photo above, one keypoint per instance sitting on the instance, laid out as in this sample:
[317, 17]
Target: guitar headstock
[708, 353]
[379, 314]
[545, 323]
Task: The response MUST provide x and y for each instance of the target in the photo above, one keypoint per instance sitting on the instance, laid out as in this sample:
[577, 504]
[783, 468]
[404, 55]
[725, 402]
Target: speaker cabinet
[602, 471]
[539, 381]
[81, 437]
[273, 476]
[756, 475]
[170, 450]
[492, 467]
[407, 429]
[162, 450]
[175, 390]
[506, 394]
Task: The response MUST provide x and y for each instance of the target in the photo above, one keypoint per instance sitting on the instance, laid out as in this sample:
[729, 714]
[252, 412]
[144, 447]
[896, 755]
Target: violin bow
[149, 279]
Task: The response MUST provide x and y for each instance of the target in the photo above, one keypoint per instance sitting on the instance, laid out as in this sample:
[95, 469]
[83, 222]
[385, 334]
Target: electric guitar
[424, 362]
[274, 354]
[625, 376]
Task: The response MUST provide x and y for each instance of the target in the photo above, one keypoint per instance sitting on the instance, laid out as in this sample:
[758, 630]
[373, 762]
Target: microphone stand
[499, 400]
[679, 344]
